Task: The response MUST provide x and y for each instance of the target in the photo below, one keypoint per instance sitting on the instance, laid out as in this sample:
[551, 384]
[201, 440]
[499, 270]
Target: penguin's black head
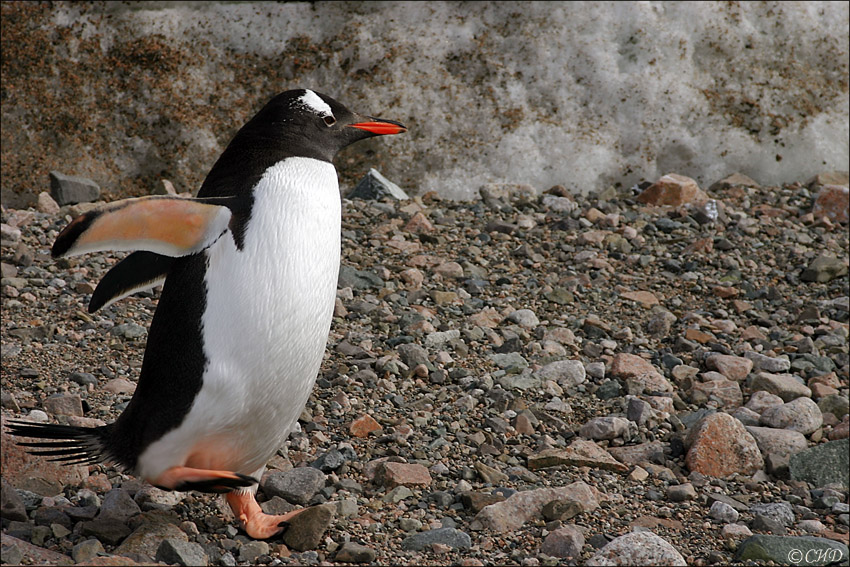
[305, 123]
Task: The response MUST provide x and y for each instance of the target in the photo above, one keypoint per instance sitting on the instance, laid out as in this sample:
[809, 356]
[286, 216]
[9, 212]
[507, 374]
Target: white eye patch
[315, 103]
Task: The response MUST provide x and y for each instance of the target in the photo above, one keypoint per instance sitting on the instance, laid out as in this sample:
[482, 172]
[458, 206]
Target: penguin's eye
[329, 120]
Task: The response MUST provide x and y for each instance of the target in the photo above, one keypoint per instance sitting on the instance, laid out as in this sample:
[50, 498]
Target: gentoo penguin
[250, 272]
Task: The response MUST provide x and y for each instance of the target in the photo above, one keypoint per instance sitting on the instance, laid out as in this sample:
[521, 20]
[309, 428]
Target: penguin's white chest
[265, 327]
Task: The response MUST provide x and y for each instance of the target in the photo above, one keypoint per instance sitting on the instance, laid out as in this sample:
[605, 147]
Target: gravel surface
[516, 380]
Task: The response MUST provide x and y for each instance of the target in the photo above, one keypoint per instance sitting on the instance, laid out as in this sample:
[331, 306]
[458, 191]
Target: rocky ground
[621, 378]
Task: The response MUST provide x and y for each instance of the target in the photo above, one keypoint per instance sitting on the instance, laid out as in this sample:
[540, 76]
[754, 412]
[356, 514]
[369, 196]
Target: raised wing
[170, 226]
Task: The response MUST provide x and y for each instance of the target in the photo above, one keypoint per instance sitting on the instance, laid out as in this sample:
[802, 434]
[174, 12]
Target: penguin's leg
[202, 480]
[256, 523]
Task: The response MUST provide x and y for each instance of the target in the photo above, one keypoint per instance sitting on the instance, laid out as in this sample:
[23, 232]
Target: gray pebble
[181, 552]
[452, 537]
[297, 485]
[723, 512]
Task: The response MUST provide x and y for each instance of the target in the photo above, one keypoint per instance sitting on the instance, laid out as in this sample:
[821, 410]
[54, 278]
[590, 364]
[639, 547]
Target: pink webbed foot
[256, 523]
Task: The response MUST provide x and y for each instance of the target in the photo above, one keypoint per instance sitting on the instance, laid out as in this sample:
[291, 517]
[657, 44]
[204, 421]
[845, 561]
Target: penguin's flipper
[202, 480]
[137, 272]
[171, 226]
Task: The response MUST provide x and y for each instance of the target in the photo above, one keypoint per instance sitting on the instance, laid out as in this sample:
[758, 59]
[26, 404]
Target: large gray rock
[11, 504]
[70, 189]
[376, 186]
[181, 552]
[297, 485]
[823, 464]
[787, 550]
[307, 528]
[802, 415]
[525, 506]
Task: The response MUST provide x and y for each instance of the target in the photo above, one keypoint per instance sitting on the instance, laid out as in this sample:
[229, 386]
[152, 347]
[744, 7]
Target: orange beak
[380, 127]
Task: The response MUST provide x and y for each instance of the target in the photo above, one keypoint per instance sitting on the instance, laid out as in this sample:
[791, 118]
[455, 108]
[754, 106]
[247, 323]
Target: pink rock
[801, 414]
[821, 390]
[64, 404]
[35, 555]
[580, 453]
[119, 386]
[736, 531]
[840, 431]
[673, 190]
[637, 548]
[449, 270]
[487, 317]
[46, 204]
[419, 224]
[521, 507]
[563, 542]
[778, 441]
[727, 392]
[785, 386]
[720, 446]
[412, 277]
[639, 371]
[645, 298]
[733, 367]
[762, 400]
[85, 422]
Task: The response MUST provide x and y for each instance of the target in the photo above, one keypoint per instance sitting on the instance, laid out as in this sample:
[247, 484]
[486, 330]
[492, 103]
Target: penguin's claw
[256, 523]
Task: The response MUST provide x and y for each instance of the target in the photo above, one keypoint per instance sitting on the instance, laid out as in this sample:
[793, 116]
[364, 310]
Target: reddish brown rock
[363, 426]
[35, 474]
[487, 317]
[841, 431]
[832, 201]
[733, 367]
[672, 190]
[720, 446]
[820, 390]
[699, 336]
[404, 474]
[725, 292]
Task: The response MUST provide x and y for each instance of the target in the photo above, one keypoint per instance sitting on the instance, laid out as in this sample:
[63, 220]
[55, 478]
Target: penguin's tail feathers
[67, 444]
